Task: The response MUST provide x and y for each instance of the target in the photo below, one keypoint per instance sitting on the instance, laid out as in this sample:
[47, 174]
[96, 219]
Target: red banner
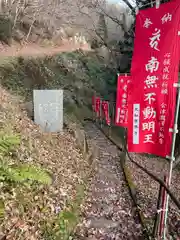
[121, 118]
[154, 71]
[105, 108]
[98, 106]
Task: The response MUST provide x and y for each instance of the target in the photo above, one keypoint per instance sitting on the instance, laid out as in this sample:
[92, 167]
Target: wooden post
[163, 210]
[125, 145]
[157, 217]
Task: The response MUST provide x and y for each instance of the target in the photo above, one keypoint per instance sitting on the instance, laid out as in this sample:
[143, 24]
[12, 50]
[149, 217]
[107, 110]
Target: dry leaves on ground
[28, 207]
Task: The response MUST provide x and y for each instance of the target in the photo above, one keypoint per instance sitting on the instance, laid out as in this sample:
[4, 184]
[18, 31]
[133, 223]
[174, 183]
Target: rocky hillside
[41, 174]
[44, 176]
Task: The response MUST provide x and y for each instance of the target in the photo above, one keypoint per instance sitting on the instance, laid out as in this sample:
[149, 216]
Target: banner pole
[125, 144]
[112, 117]
[172, 159]
[109, 119]
[163, 206]
[157, 217]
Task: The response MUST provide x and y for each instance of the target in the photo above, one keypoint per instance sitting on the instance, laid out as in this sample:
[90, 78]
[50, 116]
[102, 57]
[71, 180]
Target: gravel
[108, 211]
[109, 199]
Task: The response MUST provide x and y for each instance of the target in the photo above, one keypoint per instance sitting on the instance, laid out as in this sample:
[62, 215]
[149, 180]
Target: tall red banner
[121, 118]
[98, 106]
[105, 108]
[152, 96]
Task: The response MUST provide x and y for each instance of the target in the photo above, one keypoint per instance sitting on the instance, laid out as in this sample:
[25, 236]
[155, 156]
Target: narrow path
[31, 49]
[108, 212]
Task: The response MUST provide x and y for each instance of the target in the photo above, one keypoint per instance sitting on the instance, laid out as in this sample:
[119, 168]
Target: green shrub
[5, 29]
[16, 174]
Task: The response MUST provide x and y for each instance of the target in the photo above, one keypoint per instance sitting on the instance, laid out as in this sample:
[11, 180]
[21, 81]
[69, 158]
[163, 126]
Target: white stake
[172, 159]
[157, 4]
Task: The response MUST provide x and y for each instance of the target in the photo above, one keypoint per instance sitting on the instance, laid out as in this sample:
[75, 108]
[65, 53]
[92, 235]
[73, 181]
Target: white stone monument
[48, 109]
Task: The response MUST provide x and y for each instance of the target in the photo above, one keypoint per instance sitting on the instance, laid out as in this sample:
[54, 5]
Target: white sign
[136, 122]
[48, 109]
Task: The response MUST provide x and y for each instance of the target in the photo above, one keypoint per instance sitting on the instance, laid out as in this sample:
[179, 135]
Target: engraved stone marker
[48, 109]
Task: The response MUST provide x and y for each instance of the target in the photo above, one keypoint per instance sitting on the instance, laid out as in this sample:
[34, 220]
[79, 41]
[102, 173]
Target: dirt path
[37, 50]
[108, 213]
